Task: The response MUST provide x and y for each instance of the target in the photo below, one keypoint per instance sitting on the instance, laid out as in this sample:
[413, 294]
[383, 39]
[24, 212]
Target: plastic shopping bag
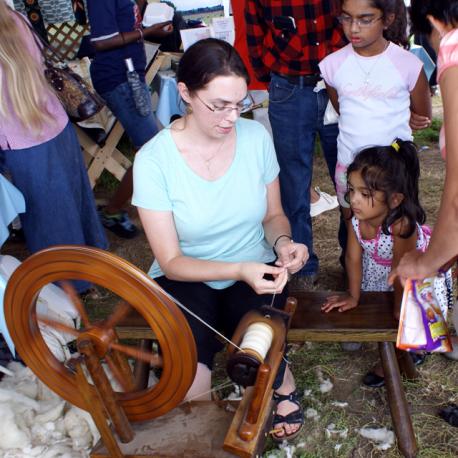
[422, 325]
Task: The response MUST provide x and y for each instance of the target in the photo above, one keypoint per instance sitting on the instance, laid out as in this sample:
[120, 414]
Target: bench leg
[397, 401]
[406, 365]
[142, 368]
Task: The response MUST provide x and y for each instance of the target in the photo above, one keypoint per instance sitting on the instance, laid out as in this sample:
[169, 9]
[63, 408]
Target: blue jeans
[296, 115]
[60, 206]
[139, 128]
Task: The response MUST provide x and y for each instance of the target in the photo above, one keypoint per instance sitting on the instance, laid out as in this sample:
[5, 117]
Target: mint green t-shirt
[217, 220]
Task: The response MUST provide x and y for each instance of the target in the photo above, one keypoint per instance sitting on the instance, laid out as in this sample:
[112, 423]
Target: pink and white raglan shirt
[447, 57]
[374, 96]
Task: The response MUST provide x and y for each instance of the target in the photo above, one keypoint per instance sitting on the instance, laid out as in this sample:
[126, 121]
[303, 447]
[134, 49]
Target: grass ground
[348, 405]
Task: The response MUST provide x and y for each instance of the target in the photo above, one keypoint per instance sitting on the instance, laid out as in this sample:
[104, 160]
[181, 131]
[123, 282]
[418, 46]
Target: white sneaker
[323, 204]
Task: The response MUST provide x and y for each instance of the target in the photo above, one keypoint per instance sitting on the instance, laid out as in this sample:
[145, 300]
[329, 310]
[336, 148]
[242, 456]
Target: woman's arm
[444, 240]
[124, 38]
[291, 256]
[354, 268]
[162, 236]
[420, 102]
[401, 246]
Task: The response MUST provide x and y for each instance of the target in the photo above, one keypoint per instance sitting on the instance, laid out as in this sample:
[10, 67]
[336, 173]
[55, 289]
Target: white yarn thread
[258, 338]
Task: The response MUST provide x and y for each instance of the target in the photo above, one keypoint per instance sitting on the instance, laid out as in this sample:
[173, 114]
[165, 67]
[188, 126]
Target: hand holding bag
[78, 99]
[422, 325]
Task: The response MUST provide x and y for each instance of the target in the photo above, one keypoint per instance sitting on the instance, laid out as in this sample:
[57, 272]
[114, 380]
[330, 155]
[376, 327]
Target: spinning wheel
[256, 352]
[179, 356]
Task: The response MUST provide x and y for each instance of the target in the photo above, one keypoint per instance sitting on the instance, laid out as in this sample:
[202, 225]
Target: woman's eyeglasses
[360, 22]
[243, 107]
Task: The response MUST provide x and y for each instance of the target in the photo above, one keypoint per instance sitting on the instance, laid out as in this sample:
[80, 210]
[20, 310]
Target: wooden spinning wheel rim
[130, 283]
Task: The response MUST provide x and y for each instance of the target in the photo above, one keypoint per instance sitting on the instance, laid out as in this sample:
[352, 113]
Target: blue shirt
[217, 220]
[107, 19]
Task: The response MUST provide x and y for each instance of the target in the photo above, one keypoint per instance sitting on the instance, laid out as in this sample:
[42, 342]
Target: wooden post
[97, 411]
[397, 401]
[406, 365]
[250, 424]
[105, 392]
[142, 368]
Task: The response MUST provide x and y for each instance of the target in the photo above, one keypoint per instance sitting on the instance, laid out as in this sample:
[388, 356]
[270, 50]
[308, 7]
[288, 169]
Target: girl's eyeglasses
[360, 22]
[244, 106]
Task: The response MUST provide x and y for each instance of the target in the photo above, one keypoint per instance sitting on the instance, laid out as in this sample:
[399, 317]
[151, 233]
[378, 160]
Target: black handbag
[78, 99]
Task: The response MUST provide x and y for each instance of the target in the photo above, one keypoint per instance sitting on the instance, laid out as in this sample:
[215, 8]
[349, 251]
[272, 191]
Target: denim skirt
[60, 206]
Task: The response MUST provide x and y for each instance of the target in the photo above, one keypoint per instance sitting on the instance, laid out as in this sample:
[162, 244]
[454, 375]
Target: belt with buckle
[301, 80]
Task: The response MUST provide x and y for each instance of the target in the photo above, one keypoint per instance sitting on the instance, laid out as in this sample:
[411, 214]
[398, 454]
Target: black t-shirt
[107, 19]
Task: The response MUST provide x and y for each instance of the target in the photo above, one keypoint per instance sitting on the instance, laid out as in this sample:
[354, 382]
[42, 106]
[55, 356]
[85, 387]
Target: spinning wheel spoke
[117, 373]
[71, 292]
[57, 325]
[120, 312]
[152, 358]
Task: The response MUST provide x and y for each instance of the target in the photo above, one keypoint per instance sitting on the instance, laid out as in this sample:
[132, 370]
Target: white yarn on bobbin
[258, 338]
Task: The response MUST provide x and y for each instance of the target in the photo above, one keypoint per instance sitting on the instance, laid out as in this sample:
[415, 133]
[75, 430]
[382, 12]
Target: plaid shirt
[317, 34]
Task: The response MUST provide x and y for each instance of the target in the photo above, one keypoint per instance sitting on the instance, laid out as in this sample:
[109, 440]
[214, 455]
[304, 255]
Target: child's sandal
[294, 417]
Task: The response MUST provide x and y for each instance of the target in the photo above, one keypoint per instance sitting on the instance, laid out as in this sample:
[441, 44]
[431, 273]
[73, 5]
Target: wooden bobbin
[257, 340]
[243, 365]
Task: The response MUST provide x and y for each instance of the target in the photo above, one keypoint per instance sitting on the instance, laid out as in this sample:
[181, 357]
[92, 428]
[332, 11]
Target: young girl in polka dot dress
[387, 221]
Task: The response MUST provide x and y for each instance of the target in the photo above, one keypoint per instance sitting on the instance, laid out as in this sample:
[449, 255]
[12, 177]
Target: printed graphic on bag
[422, 325]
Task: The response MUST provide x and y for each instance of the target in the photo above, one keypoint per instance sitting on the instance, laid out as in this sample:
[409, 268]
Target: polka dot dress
[377, 258]
[378, 255]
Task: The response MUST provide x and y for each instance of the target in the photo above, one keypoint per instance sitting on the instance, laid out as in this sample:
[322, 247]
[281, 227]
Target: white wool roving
[35, 422]
[81, 428]
[11, 437]
[383, 438]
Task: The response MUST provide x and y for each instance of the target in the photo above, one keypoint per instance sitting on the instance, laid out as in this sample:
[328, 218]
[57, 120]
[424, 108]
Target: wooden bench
[371, 321]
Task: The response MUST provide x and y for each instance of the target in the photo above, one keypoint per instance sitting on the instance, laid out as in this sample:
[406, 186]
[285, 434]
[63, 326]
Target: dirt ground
[348, 405]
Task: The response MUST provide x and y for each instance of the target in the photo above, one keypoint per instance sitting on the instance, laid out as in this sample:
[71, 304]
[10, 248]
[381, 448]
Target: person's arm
[161, 233]
[256, 29]
[124, 38]
[333, 97]
[401, 246]
[420, 103]
[105, 34]
[443, 245]
[354, 268]
[291, 256]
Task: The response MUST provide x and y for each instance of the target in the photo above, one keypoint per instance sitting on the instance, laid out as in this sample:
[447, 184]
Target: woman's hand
[291, 256]
[253, 273]
[412, 265]
[342, 303]
[158, 30]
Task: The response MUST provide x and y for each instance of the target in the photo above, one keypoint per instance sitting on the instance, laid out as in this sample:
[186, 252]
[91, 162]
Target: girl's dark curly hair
[445, 11]
[391, 170]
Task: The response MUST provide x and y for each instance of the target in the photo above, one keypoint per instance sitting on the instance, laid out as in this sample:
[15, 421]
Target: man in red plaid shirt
[286, 41]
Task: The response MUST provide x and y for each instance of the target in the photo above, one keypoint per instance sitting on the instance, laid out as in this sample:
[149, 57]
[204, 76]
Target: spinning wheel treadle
[137, 289]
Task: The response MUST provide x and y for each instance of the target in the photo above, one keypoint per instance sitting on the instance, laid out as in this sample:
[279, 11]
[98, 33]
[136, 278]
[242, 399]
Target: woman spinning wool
[208, 196]
[39, 148]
